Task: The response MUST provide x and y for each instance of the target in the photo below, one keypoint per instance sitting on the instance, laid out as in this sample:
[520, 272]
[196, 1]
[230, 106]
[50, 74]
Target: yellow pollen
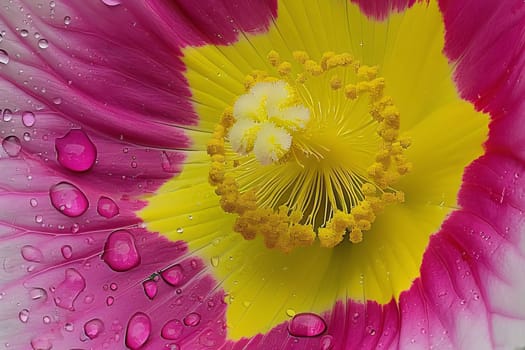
[310, 152]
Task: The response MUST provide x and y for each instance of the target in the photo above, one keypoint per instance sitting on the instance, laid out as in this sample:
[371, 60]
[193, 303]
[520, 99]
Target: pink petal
[380, 9]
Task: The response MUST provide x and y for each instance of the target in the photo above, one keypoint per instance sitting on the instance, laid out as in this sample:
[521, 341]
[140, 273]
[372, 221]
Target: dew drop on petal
[306, 325]
[4, 57]
[93, 328]
[28, 118]
[24, 33]
[138, 330]
[192, 319]
[68, 290]
[66, 251]
[106, 207]
[110, 301]
[68, 199]
[43, 43]
[67, 20]
[57, 100]
[150, 288]
[172, 329]
[173, 275]
[12, 146]
[327, 342]
[38, 294]
[7, 115]
[33, 202]
[31, 253]
[23, 315]
[75, 151]
[41, 343]
[120, 252]
[112, 2]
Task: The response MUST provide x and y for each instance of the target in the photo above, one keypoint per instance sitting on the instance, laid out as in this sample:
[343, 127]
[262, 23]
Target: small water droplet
[43, 44]
[69, 327]
[31, 253]
[112, 2]
[38, 294]
[4, 57]
[68, 290]
[46, 319]
[109, 301]
[113, 286]
[150, 288]
[28, 118]
[39, 219]
[214, 261]
[67, 20]
[138, 330]
[172, 330]
[290, 312]
[12, 146]
[24, 33]
[192, 319]
[120, 252]
[7, 115]
[68, 199]
[306, 325]
[33, 202]
[93, 328]
[41, 343]
[23, 315]
[327, 342]
[173, 275]
[180, 230]
[26, 136]
[75, 151]
[57, 100]
[107, 208]
[66, 251]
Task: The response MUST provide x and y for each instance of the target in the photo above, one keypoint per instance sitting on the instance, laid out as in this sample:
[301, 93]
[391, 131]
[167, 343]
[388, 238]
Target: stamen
[296, 158]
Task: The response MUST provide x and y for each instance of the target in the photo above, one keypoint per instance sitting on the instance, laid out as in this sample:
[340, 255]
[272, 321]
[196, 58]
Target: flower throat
[311, 150]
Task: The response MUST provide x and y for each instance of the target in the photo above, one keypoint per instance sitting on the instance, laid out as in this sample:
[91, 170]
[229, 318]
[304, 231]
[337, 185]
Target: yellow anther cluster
[283, 227]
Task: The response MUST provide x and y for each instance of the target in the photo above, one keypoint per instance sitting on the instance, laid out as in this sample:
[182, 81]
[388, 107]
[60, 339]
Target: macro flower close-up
[262, 174]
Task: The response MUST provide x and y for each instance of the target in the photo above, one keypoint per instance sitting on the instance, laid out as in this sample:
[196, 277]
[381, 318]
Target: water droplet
[107, 208]
[192, 320]
[33, 202]
[120, 252]
[41, 343]
[69, 327]
[39, 219]
[7, 115]
[306, 325]
[28, 118]
[67, 20]
[173, 275]
[180, 230]
[112, 2]
[12, 146]
[66, 251]
[4, 57]
[214, 261]
[138, 330]
[150, 288]
[75, 151]
[68, 199]
[113, 286]
[110, 301]
[93, 328]
[172, 330]
[38, 294]
[43, 44]
[24, 33]
[31, 253]
[23, 315]
[327, 342]
[68, 290]
[290, 312]
[57, 100]
[26, 136]
[46, 319]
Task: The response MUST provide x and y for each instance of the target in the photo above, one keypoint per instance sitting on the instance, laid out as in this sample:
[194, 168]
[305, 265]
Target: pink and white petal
[486, 40]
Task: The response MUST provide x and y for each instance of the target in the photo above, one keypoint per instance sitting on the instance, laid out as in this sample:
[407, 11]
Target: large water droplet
[172, 330]
[12, 146]
[28, 118]
[31, 253]
[192, 319]
[68, 290]
[173, 275]
[4, 57]
[23, 315]
[107, 208]
[306, 325]
[75, 151]
[150, 288]
[68, 199]
[43, 43]
[120, 252]
[138, 330]
[93, 328]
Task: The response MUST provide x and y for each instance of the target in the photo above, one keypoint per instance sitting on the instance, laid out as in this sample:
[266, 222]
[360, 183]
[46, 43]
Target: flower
[122, 225]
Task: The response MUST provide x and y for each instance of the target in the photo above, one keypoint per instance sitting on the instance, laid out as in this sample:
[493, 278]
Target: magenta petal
[380, 9]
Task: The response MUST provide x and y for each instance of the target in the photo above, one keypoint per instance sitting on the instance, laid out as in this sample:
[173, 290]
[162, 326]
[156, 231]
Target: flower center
[312, 149]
